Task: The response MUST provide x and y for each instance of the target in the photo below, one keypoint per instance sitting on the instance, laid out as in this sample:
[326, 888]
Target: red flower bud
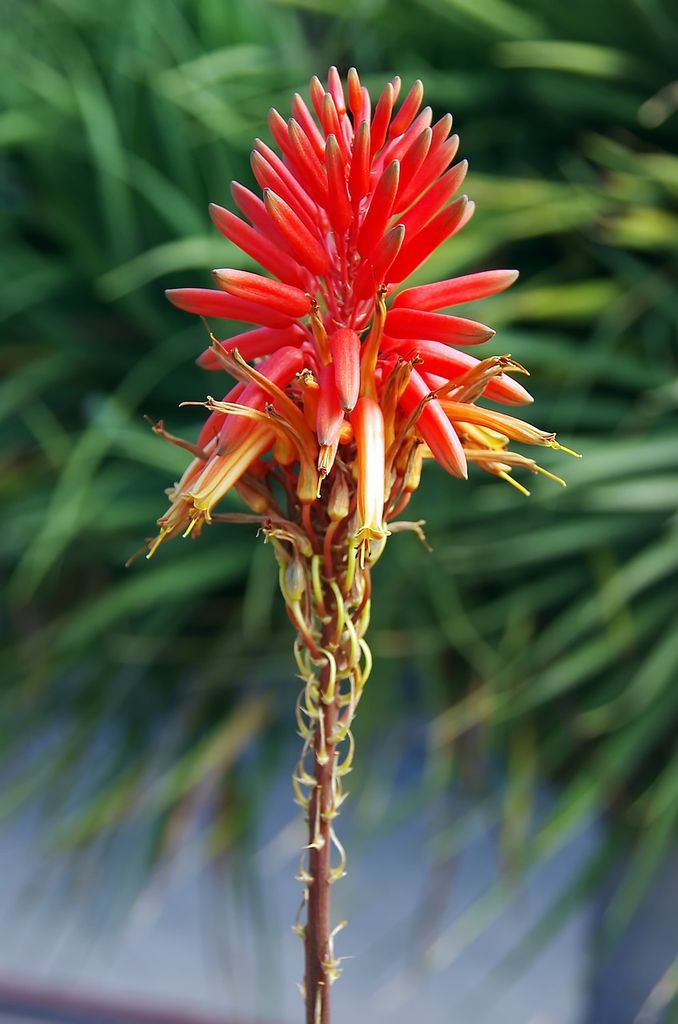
[345, 349]
[255, 288]
[411, 323]
[434, 427]
[330, 414]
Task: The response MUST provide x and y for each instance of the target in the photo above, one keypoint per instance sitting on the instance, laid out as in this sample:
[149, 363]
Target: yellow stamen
[551, 476]
[189, 529]
[514, 483]
[223, 471]
[326, 458]
[561, 448]
[157, 542]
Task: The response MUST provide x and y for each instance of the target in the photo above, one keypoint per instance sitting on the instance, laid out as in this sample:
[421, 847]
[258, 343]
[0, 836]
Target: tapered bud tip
[269, 197]
[216, 212]
[294, 581]
[206, 360]
[354, 93]
[339, 503]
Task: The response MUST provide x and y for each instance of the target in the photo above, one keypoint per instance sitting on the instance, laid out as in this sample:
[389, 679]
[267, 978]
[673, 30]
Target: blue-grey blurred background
[511, 828]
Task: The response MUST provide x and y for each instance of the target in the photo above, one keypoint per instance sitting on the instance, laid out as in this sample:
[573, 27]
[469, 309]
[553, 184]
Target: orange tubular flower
[368, 427]
[346, 380]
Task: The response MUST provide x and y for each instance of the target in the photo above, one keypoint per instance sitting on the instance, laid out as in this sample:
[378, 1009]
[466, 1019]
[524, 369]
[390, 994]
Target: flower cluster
[346, 383]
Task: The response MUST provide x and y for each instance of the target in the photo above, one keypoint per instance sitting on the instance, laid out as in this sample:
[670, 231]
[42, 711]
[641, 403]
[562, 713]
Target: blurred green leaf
[562, 55]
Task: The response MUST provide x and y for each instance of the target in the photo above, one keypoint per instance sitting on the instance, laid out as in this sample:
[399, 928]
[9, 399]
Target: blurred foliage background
[538, 641]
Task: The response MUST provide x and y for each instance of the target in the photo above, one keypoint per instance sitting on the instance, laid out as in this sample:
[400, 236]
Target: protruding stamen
[503, 475]
[561, 448]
